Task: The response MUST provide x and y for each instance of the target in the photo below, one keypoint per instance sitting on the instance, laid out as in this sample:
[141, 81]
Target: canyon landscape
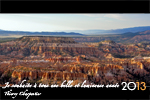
[42, 55]
[53, 59]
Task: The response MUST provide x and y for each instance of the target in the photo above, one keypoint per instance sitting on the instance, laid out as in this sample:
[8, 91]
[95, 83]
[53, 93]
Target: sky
[61, 22]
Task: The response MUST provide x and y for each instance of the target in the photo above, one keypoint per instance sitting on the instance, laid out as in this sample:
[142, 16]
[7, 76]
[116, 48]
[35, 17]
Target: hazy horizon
[69, 22]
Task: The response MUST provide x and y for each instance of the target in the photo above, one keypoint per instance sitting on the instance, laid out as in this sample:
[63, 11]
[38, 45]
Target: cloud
[23, 15]
[101, 16]
[114, 16]
[92, 15]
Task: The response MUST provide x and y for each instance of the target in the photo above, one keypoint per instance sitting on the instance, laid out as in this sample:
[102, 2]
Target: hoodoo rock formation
[57, 75]
[51, 60]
